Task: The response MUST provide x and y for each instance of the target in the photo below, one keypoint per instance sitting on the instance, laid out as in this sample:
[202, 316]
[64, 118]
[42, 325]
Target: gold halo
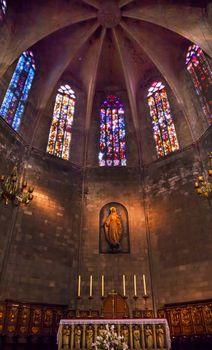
[112, 208]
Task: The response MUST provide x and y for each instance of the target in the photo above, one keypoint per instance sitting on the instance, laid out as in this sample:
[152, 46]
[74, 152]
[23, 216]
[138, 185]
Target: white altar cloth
[131, 322]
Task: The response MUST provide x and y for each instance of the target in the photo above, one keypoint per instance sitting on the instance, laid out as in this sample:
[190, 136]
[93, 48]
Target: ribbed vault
[105, 43]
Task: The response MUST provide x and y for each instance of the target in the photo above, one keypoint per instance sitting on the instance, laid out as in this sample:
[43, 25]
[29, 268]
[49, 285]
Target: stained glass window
[61, 126]
[201, 74]
[162, 122]
[13, 105]
[112, 133]
[3, 7]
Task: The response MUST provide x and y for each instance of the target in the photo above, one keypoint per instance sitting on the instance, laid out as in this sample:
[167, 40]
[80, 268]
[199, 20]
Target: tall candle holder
[90, 298]
[102, 309]
[77, 309]
[125, 307]
[145, 297]
[135, 301]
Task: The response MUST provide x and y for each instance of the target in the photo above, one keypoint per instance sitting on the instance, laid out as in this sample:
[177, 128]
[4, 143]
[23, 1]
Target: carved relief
[160, 336]
[37, 315]
[36, 321]
[2, 317]
[149, 340]
[125, 333]
[148, 314]
[186, 321]
[89, 337]
[136, 338]
[12, 319]
[196, 315]
[174, 315]
[24, 319]
[207, 313]
[66, 334]
[77, 337]
[13, 313]
[48, 318]
[161, 313]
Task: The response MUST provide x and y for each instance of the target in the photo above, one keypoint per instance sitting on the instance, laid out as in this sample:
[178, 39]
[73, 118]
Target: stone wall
[39, 244]
[45, 245]
[103, 186]
[180, 226]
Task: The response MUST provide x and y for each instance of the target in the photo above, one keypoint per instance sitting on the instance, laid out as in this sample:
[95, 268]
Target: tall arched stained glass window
[13, 105]
[3, 7]
[163, 125]
[201, 74]
[112, 133]
[61, 127]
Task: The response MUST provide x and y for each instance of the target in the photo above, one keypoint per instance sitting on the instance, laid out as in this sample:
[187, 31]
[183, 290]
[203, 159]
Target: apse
[105, 172]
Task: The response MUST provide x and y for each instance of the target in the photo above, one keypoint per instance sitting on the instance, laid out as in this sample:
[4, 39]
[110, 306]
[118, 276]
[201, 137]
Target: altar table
[139, 334]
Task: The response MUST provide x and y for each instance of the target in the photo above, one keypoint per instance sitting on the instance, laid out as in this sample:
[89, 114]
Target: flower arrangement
[110, 340]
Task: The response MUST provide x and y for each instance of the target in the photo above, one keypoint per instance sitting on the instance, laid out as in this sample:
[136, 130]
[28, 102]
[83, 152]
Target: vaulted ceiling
[105, 43]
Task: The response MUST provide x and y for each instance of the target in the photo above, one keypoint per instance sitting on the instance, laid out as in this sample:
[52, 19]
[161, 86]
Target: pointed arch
[162, 122]
[61, 127]
[13, 105]
[112, 133]
[201, 75]
[3, 8]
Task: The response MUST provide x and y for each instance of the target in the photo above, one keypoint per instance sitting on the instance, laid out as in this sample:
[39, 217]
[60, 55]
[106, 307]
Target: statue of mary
[113, 229]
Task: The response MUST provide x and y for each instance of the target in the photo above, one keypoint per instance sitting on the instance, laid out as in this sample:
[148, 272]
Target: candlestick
[124, 285]
[135, 286]
[103, 286]
[145, 297]
[90, 298]
[135, 300]
[91, 286]
[102, 307]
[144, 284]
[79, 287]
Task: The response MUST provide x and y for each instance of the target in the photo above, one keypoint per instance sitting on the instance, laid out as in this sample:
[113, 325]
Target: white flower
[109, 340]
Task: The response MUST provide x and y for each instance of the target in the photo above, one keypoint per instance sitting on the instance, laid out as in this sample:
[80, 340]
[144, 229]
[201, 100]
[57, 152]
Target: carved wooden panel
[25, 319]
[191, 319]
[2, 316]
[11, 318]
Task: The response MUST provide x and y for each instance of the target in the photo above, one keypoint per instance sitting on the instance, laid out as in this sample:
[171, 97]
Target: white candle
[135, 286]
[79, 286]
[91, 285]
[144, 284]
[103, 285]
[124, 286]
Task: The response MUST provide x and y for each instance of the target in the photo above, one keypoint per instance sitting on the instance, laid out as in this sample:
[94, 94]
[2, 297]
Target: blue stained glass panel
[13, 105]
[201, 75]
[112, 144]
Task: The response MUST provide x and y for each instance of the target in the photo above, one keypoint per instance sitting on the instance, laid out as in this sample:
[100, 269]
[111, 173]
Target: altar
[139, 334]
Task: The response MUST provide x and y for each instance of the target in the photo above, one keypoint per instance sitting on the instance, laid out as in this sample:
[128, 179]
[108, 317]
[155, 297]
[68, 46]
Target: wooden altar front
[139, 334]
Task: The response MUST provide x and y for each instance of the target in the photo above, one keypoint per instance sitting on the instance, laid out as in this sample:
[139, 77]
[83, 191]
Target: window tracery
[112, 133]
[162, 122]
[3, 8]
[13, 105]
[201, 75]
[61, 127]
